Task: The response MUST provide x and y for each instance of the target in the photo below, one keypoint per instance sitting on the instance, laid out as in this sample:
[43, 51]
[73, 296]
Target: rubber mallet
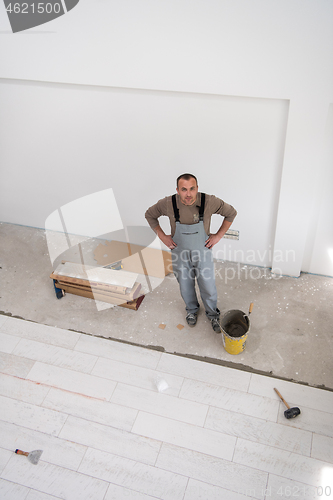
[290, 412]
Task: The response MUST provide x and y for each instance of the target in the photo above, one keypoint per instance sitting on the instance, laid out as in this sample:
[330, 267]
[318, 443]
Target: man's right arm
[165, 238]
[152, 215]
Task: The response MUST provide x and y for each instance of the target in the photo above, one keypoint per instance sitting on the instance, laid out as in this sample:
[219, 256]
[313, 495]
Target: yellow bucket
[235, 327]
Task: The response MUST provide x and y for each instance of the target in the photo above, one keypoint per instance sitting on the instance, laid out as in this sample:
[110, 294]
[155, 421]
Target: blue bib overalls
[192, 260]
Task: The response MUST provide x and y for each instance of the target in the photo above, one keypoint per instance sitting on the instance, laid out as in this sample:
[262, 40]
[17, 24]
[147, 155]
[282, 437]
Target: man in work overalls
[191, 243]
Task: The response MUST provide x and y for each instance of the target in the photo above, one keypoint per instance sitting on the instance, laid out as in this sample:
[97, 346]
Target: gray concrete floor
[290, 337]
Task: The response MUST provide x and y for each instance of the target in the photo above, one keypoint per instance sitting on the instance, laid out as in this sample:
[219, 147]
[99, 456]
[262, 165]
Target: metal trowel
[33, 456]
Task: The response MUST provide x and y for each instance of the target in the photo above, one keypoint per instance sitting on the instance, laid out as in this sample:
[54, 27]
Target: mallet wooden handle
[277, 392]
[251, 307]
[20, 452]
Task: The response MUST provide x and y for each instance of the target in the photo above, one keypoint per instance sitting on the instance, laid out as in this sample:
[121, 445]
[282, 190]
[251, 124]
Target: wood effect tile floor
[93, 406]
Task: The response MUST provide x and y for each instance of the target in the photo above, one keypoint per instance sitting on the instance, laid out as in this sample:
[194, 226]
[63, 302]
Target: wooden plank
[90, 295]
[96, 274]
[133, 304]
[77, 281]
[131, 294]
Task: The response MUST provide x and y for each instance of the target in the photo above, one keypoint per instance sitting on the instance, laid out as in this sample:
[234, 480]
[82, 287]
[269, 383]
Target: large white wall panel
[75, 141]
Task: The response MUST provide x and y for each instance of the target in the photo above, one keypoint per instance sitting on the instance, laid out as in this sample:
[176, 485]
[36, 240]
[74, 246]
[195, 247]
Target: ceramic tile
[259, 431]
[31, 416]
[136, 375]
[236, 401]
[214, 433]
[37, 495]
[215, 471]
[116, 492]
[54, 480]
[10, 491]
[197, 490]
[8, 342]
[4, 457]
[109, 439]
[204, 372]
[71, 380]
[185, 435]
[280, 488]
[23, 390]
[118, 351]
[322, 448]
[295, 394]
[14, 365]
[3, 318]
[133, 475]
[310, 420]
[160, 404]
[55, 355]
[279, 462]
[56, 451]
[92, 409]
[40, 333]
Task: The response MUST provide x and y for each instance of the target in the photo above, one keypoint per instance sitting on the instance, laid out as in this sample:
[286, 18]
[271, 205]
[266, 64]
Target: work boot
[191, 319]
[216, 325]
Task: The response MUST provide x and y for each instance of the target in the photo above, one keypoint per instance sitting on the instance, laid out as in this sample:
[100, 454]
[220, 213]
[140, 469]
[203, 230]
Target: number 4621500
[305, 491]
[34, 8]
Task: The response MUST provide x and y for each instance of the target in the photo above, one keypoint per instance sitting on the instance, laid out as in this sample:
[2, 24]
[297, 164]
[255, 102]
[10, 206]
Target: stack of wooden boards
[117, 287]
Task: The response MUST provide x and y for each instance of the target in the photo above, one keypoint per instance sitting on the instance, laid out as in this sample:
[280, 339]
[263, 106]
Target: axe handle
[277, 392]
[20, 452]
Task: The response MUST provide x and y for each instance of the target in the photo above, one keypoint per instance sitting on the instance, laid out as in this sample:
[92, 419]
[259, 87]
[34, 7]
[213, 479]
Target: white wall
[318, 256]
[234, 86]
[137, 142]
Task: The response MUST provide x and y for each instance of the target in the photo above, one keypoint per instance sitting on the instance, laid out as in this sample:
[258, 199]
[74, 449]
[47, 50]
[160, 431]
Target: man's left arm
[227, 211]
[215, 238]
